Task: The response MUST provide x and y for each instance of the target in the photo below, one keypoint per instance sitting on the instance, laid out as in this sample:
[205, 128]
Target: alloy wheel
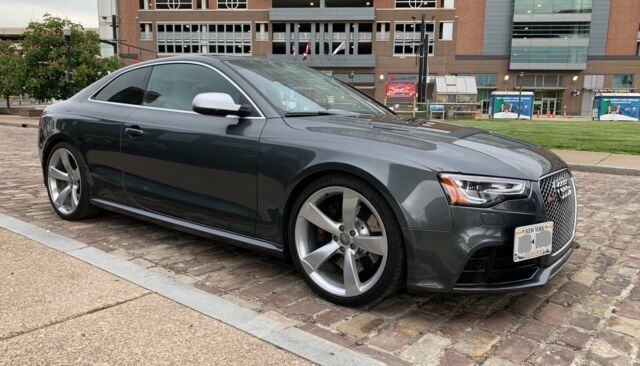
[64, 181]
[341, 241]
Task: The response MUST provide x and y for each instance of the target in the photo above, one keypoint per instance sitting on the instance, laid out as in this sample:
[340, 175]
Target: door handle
[133, 131]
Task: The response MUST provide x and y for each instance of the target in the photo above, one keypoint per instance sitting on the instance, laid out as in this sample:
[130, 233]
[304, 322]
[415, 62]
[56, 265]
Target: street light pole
[520, 94]
[67, 41]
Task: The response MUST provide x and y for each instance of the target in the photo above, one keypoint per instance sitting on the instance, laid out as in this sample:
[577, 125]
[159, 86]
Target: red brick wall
[469, 27]
[624, 22]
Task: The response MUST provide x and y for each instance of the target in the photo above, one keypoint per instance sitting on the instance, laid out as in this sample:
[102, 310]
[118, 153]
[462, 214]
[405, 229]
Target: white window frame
[260, 35]
[204, 39]
[147, 35]
[232, 4]
[416, 4]
[385, 34]
[446, 32]
[173, 5]
[413, 41]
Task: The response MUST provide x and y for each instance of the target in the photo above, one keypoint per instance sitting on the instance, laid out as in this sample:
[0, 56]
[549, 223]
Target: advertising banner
[400, 90]
[619, 108]
[506, 106]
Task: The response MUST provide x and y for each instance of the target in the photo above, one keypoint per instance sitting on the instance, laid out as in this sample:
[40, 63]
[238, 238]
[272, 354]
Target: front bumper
[476, 254]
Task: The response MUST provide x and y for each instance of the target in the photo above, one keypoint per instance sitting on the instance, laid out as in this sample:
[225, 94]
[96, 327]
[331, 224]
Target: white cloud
[15, 13]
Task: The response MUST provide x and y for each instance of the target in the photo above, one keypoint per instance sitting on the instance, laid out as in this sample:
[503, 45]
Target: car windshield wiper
[307, 114]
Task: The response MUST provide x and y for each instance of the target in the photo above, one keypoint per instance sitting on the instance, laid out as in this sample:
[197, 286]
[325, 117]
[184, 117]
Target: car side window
[173, 86]
[127, 88]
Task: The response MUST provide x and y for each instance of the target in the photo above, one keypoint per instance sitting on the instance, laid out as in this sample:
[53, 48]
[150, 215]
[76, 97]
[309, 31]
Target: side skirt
[192, 228]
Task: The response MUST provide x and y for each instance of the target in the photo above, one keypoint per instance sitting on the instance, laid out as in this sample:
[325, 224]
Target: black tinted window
[127, 88]
[174, 86]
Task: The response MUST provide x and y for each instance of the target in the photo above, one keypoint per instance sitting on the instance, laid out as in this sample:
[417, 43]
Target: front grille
[495, 265]
[561, 211]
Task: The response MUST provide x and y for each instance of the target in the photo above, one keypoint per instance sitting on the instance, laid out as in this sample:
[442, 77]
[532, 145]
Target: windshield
[300, 90]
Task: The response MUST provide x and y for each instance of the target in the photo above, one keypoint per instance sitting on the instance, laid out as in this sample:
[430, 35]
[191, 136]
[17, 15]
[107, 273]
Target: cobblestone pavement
[588, 314]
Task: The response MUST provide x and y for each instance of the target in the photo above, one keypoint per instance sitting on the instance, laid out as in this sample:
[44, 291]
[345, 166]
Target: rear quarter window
[127, 88]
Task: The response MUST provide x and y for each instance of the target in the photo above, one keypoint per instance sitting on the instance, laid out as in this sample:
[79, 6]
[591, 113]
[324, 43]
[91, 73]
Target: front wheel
[346, 242]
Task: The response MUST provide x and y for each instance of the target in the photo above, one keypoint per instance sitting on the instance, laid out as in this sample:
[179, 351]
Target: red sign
[400, 90]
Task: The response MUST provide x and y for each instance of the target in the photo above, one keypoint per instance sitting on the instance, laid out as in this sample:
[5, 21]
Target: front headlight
[471, 190]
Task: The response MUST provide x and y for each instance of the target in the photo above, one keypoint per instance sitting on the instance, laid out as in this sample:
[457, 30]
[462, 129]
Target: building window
[416, 3]
[383, 31]
[549, 54]
[173, 4]
[448, 4]
[486, 80]
[143, 4]
[262, 31]
[223, 39]
[145, 31]
[594, 82]
[406, 40]
[537, 81]
[564, 30]
[552, 6]
[203, 4]
[623, 81]
[446, 31]
[232, 4]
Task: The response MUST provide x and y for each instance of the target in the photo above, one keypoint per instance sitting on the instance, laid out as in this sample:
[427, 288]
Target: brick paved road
[589, 314]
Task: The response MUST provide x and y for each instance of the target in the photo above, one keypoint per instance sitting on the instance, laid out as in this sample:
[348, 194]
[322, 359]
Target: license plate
[532, 241]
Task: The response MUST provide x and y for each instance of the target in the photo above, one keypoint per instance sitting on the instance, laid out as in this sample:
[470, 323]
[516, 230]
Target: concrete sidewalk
[55, 309]
[601, 162]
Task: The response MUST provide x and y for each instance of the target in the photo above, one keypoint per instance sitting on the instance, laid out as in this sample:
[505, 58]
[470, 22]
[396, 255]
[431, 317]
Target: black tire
[85, 209]
[393, 276]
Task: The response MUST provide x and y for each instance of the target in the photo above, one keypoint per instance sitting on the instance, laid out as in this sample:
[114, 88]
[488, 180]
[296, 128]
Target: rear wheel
[345, 241]
[66, 178]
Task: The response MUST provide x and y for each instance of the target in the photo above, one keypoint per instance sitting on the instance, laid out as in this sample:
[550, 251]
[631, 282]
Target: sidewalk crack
[95, 310]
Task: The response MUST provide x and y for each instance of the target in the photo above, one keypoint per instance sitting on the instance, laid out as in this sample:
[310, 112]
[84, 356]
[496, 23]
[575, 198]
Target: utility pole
[421, 96]
[521, 77]
[114, 28]
[67, 42]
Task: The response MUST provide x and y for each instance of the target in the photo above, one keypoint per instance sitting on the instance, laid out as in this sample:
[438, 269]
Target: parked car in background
[289, 161]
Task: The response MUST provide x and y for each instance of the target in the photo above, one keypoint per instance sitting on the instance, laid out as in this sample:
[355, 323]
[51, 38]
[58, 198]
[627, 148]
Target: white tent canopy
[451, 84]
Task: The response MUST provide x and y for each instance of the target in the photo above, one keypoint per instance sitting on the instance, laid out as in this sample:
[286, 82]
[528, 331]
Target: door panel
[191, 166]
[99, 132]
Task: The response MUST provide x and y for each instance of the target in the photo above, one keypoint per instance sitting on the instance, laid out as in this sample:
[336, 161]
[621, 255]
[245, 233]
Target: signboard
[403, 78]
[436, 108]
[507, 106]
[400, 90]
[618, 108]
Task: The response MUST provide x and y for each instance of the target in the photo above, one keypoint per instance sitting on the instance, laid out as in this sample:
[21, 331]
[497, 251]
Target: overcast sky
[18, 13]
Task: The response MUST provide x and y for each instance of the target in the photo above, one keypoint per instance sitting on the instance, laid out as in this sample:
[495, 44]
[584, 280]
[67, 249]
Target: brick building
[563, 50]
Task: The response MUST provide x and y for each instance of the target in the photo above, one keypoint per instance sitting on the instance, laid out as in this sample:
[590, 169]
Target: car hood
[438, 146]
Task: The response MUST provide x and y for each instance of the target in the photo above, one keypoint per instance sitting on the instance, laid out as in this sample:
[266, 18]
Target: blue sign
[436, 107]
[618, 107]
[509, 106]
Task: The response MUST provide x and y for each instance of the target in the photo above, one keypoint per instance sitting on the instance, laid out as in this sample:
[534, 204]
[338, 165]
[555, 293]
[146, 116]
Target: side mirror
[217, 104]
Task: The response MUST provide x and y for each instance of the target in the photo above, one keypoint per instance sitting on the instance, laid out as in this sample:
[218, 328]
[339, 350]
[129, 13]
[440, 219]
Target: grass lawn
[614, 137]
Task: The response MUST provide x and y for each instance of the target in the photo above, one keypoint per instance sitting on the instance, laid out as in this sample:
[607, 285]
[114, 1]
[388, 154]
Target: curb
[19, 124]
[604, 170]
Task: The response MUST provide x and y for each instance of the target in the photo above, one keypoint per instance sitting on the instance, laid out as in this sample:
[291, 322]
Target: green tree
[45, 58]
[11, 71]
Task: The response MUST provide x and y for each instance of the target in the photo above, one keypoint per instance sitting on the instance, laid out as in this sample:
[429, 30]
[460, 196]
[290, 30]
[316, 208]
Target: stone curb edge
[604, 169]
[294, 340]
[18, 124]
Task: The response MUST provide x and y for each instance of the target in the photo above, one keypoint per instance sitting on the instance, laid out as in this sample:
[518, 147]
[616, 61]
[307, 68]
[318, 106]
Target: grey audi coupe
[287, 160]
